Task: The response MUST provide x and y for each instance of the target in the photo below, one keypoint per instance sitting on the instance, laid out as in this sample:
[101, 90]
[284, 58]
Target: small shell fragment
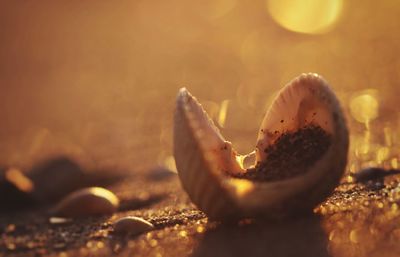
[132, 225]
[87, 202]
[59, 220]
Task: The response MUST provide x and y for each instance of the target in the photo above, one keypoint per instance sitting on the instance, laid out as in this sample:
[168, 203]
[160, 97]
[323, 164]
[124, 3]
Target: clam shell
[205, 160]
[132, 225]
[87, 202]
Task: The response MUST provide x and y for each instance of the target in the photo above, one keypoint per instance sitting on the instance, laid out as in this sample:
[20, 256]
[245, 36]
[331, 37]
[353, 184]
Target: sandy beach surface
[87, 95]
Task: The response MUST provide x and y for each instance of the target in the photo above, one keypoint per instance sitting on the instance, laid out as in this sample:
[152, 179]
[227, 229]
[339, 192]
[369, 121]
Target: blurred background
[97, 80]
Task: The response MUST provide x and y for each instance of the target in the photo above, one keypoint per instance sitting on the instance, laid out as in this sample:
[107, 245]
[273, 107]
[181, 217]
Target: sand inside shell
[291, 154]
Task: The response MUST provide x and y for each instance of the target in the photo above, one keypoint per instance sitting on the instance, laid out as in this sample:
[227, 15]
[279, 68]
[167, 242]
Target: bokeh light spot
[243, 186]
[305, 16]
[16, 177]
[364, 107]
[223, 112]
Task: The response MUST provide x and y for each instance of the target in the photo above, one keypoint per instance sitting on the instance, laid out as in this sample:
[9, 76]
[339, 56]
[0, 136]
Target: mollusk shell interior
[205, 160]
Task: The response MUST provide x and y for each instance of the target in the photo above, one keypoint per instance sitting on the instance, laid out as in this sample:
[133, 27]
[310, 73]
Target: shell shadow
[300, 237]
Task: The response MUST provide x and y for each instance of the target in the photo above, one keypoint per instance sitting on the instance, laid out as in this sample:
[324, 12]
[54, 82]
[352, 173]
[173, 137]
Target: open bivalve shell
[301, 155]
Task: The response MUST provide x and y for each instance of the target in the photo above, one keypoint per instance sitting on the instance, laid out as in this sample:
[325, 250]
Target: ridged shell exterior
[197, 142]
[194, 163]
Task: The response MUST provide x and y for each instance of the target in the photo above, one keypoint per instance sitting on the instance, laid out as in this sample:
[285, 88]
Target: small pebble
[87, 202]
[132, 225]
[55, 178]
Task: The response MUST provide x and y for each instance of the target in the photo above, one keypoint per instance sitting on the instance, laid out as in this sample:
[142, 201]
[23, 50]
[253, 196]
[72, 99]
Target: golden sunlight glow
[223, 110]
[349, 179]
[16, 177]
[382, 154]
[354, 236]
[243, 186]
[394, 163]
[363, 144]
[364, 107]
[305, 16]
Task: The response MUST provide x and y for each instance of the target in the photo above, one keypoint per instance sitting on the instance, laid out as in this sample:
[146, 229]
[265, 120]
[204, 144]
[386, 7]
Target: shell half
[207, 163]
